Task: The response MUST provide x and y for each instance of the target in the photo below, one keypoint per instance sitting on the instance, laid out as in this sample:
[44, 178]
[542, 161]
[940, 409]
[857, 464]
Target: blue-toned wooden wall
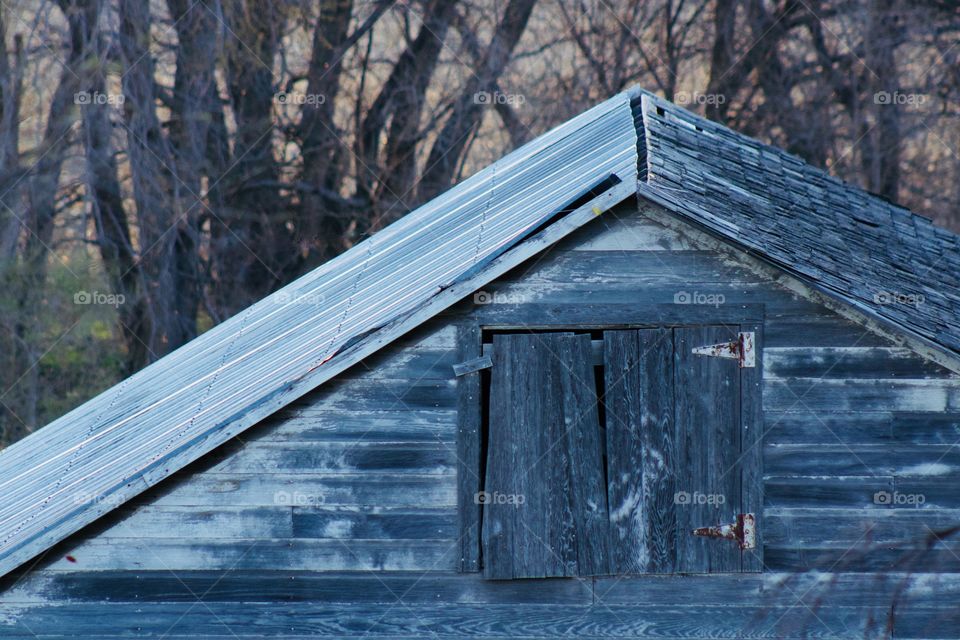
[338, 516]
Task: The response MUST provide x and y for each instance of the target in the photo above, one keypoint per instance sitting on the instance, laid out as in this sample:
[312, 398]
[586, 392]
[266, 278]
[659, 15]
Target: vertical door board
[751, 448]
[469, 446]
[641, 479]
[707, 414]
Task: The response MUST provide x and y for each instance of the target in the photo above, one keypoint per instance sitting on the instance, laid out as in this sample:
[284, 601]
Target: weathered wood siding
[351, 495]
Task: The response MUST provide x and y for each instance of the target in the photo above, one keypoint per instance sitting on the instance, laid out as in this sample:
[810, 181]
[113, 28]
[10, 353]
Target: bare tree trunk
[28, 285]
[151, 162]
[725, 78]
[250, 242]
[322, 224]
[883, 145]
[450, 144]
[401, 101]
[194, 103]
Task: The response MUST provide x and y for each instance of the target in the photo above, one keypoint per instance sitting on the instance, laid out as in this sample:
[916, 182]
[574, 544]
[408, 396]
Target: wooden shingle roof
[882, 259]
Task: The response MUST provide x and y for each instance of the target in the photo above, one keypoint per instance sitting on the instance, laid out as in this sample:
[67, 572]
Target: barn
[642, 377]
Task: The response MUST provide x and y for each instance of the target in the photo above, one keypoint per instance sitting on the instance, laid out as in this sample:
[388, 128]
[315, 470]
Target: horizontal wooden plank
[650, 291]
[818, 329]
[793, 321]
[828, 396]
[807, 427]
[399, 362]
[292, 586]
[762, 589]
[308, 488]
[259, 553]
[178, 620]
[351, 456]
[824, 491]
[862, 460]
[623, 231]
[383, 394]
[283, 521]
[202, 522]
[375, 523]
[637, 268]
[933, 492]
[926, 428]
[849, 362]
[945, 557]
[613, 313]
[815, 528]
[307, 423]
[927, 623]
[802, 426]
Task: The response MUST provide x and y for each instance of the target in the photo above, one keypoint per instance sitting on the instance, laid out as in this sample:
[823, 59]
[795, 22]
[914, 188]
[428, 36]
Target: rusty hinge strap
[743, 531]
[743, 350]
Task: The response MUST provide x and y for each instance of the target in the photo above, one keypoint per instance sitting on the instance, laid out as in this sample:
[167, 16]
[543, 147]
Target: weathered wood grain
[864, 557]
[292, 586]
[178, 620]
[622, 229]
[926, 428]
[641, 452]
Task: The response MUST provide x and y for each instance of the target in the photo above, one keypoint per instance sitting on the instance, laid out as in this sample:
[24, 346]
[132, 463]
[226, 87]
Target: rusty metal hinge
[742, 350]
[743, 531]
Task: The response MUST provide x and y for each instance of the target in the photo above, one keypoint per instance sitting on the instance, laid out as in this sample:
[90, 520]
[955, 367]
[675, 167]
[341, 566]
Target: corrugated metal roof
[150, 425]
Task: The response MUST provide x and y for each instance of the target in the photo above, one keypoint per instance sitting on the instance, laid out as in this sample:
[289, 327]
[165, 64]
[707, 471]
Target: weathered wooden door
[567, 493]
[544, 511]
[680, 450]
